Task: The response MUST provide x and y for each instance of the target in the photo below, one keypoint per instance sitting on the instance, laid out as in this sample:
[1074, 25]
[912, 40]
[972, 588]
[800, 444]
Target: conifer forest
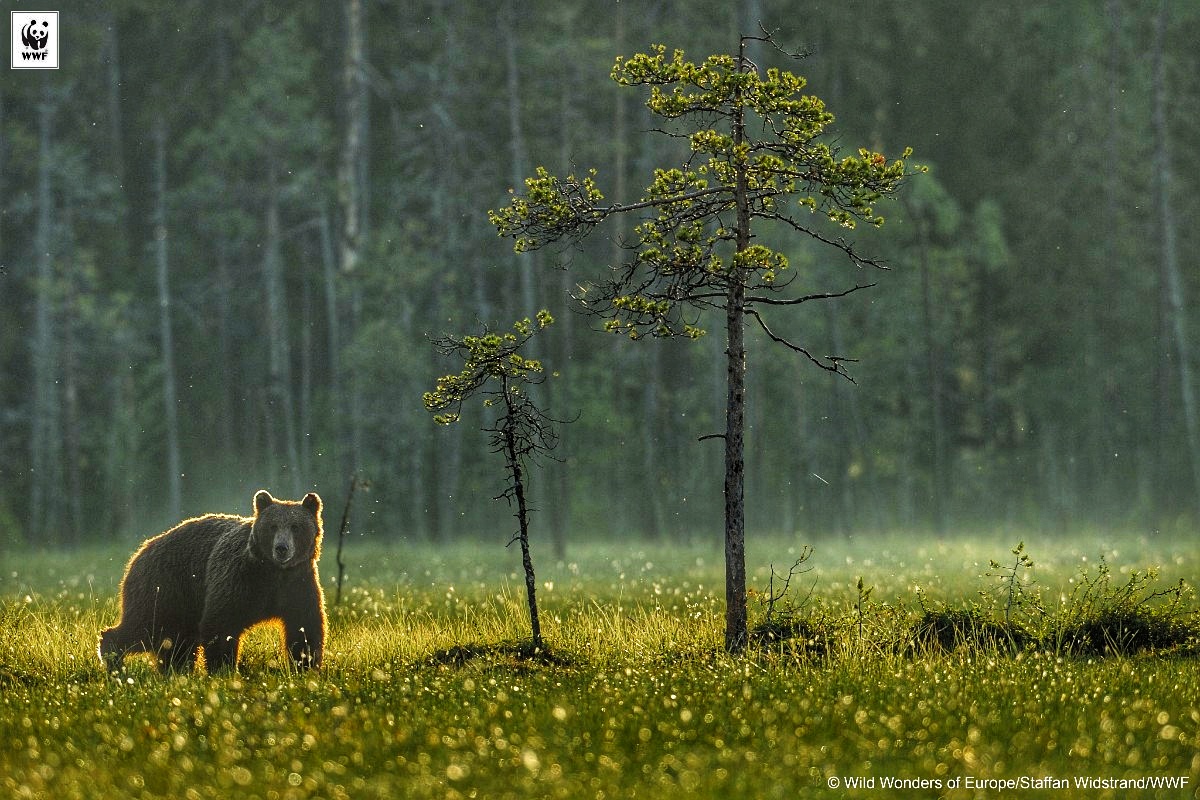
[231, 234]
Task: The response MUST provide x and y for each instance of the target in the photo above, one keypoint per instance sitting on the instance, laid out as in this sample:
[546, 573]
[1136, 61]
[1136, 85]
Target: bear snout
[284, 548]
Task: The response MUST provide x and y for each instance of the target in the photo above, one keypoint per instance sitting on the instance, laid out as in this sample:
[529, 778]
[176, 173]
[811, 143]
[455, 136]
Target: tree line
[230, 234]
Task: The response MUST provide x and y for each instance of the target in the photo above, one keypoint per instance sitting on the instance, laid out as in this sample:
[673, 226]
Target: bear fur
[206, 581]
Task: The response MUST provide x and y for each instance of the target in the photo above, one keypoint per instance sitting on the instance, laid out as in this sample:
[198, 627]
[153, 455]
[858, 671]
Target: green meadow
[427, 692]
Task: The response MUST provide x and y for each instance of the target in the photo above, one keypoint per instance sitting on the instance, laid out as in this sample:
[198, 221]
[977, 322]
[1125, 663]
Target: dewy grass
[427, 692]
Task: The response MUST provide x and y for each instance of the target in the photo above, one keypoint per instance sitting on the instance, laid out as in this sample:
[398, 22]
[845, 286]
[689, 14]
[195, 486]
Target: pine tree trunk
[304, 412]
[72, 419]
[736, 632]
[45, 455]
[357, 403]
[1172, 284]
[860, 496]
[524, 264]
[227, 425]
[560, 504]
[1101, 484]
[933, 367]
[122, 438]
[115, 134]
[655, 512]
[351, 180]
[736, 626]
[333, 323]
[354, 100]
[232, 437]
[166, 342]
[280, 365]
[518, 485]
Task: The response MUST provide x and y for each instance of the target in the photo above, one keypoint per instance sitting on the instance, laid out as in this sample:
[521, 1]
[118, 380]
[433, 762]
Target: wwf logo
[35, 40]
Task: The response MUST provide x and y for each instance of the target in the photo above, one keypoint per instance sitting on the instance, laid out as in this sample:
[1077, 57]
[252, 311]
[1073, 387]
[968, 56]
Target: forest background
[229, 232]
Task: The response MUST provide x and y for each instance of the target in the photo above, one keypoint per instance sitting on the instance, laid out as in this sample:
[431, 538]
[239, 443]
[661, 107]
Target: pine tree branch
[620, 208]
[840, 244]
[832, 364]
[795, 301]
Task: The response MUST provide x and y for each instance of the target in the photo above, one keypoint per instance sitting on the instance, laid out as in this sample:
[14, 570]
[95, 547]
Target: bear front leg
[305, 650]
[115, 643]
[306, 644]
[228, 612]
[221, 651]
[220, 633]
[177, 655]
[305, 636]
[303, 616]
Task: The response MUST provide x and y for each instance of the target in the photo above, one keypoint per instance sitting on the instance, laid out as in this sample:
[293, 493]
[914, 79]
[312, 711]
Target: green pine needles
[693, 240]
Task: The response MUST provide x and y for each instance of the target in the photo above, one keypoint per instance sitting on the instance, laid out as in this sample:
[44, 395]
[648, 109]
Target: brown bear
[208, 579]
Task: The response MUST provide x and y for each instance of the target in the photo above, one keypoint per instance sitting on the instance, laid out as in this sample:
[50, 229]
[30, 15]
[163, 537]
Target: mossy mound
[793, 636]
[1128, 631]
[946, 629]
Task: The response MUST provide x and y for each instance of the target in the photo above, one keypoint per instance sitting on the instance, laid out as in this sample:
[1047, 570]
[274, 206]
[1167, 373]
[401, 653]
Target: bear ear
[312, 502]
[262, 499]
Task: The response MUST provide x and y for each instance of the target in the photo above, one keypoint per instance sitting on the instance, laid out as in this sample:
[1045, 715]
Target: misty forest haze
[229, 235]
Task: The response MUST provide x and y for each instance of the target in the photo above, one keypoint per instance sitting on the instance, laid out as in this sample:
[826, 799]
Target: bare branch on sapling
[355, 481]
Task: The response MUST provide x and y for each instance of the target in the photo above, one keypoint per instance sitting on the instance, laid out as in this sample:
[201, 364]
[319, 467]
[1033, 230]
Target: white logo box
[34, 40]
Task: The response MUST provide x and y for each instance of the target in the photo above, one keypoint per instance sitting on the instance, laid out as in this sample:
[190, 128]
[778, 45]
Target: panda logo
[35, 38]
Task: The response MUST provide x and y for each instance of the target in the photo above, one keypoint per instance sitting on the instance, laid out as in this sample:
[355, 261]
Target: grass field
[424, 693]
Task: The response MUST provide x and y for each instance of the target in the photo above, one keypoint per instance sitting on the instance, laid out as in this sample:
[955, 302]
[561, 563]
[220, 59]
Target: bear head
[286, 533]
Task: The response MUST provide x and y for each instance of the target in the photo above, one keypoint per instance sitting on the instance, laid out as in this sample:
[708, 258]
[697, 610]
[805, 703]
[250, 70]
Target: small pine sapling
[1017, 591]
[495, 368]
[860, 608]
